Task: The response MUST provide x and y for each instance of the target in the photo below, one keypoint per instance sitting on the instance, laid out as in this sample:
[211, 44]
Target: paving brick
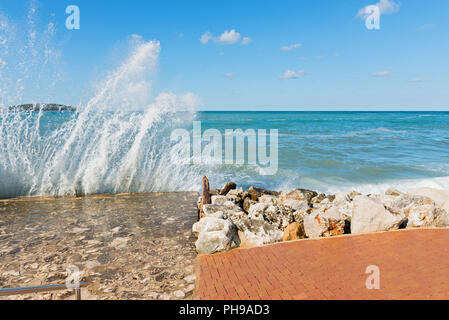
[413, 264]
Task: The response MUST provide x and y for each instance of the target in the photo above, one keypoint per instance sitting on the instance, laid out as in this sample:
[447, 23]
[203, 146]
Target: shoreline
[134, 246]
[143, 246]
[232, 218]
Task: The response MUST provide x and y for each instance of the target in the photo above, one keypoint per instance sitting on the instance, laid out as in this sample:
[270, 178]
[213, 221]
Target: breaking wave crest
[104, 147]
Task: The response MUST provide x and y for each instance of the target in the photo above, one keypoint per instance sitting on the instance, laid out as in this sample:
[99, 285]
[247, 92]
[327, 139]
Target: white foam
[106, 146]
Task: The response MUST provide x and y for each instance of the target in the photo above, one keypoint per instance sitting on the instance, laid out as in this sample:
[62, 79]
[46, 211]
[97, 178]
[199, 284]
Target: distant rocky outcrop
[42, 107]
[257, 217]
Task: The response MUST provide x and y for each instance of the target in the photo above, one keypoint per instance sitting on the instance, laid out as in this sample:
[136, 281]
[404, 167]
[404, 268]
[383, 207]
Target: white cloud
[228, 37]
[415, 80]
[291, 47]
[290, 74]
[136, 36]
[385, 7]
[427, 26]
[381, 74]
[246, 40]
[206, 37]
[229, 75]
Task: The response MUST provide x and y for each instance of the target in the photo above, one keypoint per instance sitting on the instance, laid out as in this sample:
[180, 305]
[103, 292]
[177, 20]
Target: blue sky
[300, 55]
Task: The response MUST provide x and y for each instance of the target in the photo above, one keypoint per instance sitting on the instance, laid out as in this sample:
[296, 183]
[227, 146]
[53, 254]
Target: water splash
[102, 148]
[118, 142]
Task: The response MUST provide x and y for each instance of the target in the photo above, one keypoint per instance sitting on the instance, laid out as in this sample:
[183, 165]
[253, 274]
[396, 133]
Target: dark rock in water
[42, 106]
[227, 187]
[256, 193]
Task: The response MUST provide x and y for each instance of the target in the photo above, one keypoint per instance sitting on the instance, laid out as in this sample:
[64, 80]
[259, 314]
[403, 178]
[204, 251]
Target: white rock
[442, 220]
[324, 223]
[12, 273]
[370, 215]
[190, 279]
[219, 200]
[296, 205]
[208, 223]
[189, 288]
[116, 229]
[179, 294]
[256, 211]
[293, 195]
[279, 216]
[271, 200]
[440, 197]
[423, 216]
[227, 209]
[216, 235]
[259, 232]
[164, 296]
[341, 197]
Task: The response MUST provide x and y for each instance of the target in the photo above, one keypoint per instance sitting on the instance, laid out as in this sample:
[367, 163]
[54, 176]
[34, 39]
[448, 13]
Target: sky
[255, 55]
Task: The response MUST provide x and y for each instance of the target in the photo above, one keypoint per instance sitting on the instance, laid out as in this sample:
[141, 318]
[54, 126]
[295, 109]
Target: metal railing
[37, 289]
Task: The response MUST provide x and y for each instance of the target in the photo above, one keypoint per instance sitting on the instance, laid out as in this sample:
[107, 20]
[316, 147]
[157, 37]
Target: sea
[94, 151]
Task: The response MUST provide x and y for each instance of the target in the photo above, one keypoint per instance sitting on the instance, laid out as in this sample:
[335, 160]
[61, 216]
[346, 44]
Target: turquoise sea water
[363, 150]
[62, 153]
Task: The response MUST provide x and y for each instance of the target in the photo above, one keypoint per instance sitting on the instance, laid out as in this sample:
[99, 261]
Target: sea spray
[105, 146]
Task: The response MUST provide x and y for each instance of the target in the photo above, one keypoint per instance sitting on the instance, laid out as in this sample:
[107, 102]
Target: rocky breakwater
[233, 217]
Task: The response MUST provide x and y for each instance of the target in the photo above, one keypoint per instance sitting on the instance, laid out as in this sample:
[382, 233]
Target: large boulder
[278, 216]
[255, 193]
[296, 205]
[292, 195]
[343, 203]
[423, 216]
[294, 231]
[258, 232]
[440, 197]
[247, 203]
[215, 235]
[227, 187]
[442, 220]
[370, 215]
[403, 203]
[237, 196]
[325, 222]
[222, 201]
[271, 200]
[228, 208]
[257, 211]
[201, 225]
[237, 217]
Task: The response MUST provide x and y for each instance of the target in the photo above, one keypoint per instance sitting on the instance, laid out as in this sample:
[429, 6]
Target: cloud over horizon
[291, 47]
[228, 37]
[381, 74]
[290, 74]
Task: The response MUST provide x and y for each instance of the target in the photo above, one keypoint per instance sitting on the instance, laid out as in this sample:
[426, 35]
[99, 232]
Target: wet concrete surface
[129, 246]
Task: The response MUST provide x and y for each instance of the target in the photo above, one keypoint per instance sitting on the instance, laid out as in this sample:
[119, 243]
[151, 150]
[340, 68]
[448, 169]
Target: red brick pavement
[413, 264]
